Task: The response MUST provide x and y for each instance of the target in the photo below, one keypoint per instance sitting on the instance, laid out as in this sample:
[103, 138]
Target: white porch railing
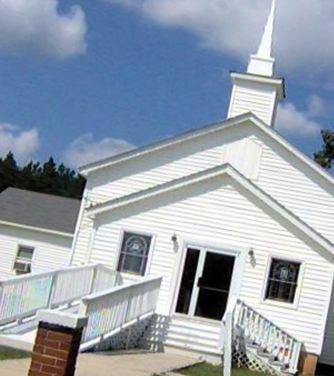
[23, 296]
[110, 311]
[269, 338]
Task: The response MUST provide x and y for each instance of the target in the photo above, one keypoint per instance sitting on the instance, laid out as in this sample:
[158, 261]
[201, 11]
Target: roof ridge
[224, 124]
[39, 193]
[192, 132]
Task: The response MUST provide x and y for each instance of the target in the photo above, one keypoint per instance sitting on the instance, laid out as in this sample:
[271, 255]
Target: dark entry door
[205, 284]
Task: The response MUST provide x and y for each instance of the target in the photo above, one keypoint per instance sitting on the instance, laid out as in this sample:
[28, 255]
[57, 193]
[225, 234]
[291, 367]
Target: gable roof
[39, 211]
[213, 128]
[216, 172]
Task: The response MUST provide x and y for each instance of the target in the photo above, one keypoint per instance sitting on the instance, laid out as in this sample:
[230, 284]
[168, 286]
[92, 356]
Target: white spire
[262, 63]
[259, 91]
[266, 45]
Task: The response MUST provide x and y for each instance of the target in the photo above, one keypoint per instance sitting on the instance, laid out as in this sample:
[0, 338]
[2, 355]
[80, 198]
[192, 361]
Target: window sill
[273, 303]
[131, 275]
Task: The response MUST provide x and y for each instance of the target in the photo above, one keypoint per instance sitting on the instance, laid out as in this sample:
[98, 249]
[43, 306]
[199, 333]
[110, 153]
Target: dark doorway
[205, 284]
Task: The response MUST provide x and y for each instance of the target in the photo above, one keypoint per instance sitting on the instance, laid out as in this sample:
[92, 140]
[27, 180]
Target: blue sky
[118, 74]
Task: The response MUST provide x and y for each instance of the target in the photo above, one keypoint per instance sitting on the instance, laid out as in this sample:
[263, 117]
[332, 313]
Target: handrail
[100, 294]
[269, 321]
[114, 309]
[22, 296]
[268, 336]
[23, 277]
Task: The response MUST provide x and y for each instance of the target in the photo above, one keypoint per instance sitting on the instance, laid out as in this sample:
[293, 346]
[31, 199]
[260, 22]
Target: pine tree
[46, 178]
[9, 171]
[325, 156]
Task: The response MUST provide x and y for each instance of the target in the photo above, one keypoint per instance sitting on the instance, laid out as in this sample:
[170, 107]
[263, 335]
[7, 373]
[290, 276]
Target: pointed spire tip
[263, 63]
[266, 46]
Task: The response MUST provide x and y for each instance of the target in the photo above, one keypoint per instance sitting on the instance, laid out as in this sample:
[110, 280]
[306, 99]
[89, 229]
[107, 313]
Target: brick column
[57, 344]
[308, 364]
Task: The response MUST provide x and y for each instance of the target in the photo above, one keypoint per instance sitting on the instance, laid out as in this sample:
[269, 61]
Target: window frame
[21, 259]
[125, 230]
[294, 305]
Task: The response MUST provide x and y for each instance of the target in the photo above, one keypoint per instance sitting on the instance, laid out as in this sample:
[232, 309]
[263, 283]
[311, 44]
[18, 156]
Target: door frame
[239, 263]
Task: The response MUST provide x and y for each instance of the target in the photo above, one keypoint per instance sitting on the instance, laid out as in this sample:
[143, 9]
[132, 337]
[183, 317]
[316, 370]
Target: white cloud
[22, 143]
[37, 27]
[317, 107]
[86, 149]
[294, 122]
[305, 29]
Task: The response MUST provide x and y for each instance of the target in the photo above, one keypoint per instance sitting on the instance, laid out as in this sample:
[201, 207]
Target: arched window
[134, 253]
[283, 280]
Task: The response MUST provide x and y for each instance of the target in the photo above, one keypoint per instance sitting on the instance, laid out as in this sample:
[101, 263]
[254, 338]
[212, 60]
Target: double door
[205, 283]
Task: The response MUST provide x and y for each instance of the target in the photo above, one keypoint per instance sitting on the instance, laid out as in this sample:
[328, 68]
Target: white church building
[235, 220]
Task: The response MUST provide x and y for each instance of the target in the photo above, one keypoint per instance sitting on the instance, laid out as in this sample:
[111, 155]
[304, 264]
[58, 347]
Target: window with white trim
[134, 253]
[282, 281]
[23, 260]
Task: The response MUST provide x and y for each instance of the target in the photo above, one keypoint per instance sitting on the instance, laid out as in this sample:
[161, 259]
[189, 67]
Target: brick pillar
[57, 344]
[308, 364]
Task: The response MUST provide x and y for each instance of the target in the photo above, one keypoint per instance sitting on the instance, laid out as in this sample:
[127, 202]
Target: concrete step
[19, 341]
[202, 349]
[199, 334]
[193, 323]
[193, 339]
[193, 334]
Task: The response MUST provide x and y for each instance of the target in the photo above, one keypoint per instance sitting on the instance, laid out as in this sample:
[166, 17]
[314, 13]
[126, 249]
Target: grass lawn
[7, 353]
[205, 369]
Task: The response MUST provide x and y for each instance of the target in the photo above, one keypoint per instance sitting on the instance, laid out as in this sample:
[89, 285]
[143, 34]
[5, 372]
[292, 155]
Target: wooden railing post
[52, 289]
[1, 294]
[227, 366]
[295, 356]
[95, 271]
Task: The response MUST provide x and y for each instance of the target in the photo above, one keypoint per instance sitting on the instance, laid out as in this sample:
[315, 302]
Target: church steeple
[258, 90]
[263, 63]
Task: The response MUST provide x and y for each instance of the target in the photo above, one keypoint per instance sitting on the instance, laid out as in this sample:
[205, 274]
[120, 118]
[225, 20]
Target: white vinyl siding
[260, 101]
[327, 355]
[141, 174]
[289, 185]
[238, 223]
[81, 244]
[50, 251]
[281, 175]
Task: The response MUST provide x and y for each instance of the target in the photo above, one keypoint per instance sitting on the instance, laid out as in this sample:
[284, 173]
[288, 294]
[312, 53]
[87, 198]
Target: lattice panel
[126, 339]
[242, 360]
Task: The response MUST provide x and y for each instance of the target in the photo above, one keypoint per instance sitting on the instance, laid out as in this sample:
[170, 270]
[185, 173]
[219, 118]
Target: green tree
[45, 178]
[49, 179]
[325, 156]
[9, 171]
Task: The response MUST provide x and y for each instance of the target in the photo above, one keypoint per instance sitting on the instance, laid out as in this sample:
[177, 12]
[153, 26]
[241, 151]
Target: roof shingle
[39, 210]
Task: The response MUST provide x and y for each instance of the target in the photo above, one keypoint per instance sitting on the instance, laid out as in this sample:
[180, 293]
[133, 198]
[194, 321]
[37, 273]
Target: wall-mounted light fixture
[175, 241]
[251, 255]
